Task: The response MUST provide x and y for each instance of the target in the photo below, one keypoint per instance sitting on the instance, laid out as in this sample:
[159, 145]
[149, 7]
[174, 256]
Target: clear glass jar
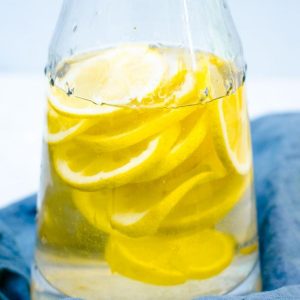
[147, 185]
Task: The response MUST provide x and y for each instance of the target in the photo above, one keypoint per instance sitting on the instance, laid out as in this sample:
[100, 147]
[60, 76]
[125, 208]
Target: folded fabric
[17, 228]
[276, 143]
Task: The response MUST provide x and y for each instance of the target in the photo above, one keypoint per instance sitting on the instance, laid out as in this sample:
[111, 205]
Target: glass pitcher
[147, 186]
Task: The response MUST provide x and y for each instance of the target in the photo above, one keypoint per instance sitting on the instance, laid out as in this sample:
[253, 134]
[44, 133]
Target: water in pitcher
[146, 184]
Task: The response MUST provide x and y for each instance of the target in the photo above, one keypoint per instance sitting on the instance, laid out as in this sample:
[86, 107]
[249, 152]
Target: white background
[269, 30]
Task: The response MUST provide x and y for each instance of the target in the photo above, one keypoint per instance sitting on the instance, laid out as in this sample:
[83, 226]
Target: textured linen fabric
[276, 143]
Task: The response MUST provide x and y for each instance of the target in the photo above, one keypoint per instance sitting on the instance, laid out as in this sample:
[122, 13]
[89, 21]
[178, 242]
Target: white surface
[22, 101]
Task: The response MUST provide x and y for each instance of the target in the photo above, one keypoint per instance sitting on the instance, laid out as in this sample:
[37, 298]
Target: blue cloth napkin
[276, 143]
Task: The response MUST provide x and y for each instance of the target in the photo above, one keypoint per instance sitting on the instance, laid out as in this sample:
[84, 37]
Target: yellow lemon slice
[230, 129]
[89, 170]
[188, 142]
[170, 260]
[123, 139]
[206, 253]
[76, 107]
[115, 77]
[61, 129]
[160, 120]
[157, 199]
[147, 222]
[119, 75]
[205, 205]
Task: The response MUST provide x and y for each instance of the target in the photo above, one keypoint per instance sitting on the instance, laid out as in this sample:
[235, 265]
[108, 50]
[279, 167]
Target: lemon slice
[123, 139]
[90, 171]
[61, 129]
[170, 260]
[230, 129]
[119, 75]
[108, 142]
[116, 77]
[187, 144]
[206, 254]
[147, 222]
[205, 205]
[76, 107]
